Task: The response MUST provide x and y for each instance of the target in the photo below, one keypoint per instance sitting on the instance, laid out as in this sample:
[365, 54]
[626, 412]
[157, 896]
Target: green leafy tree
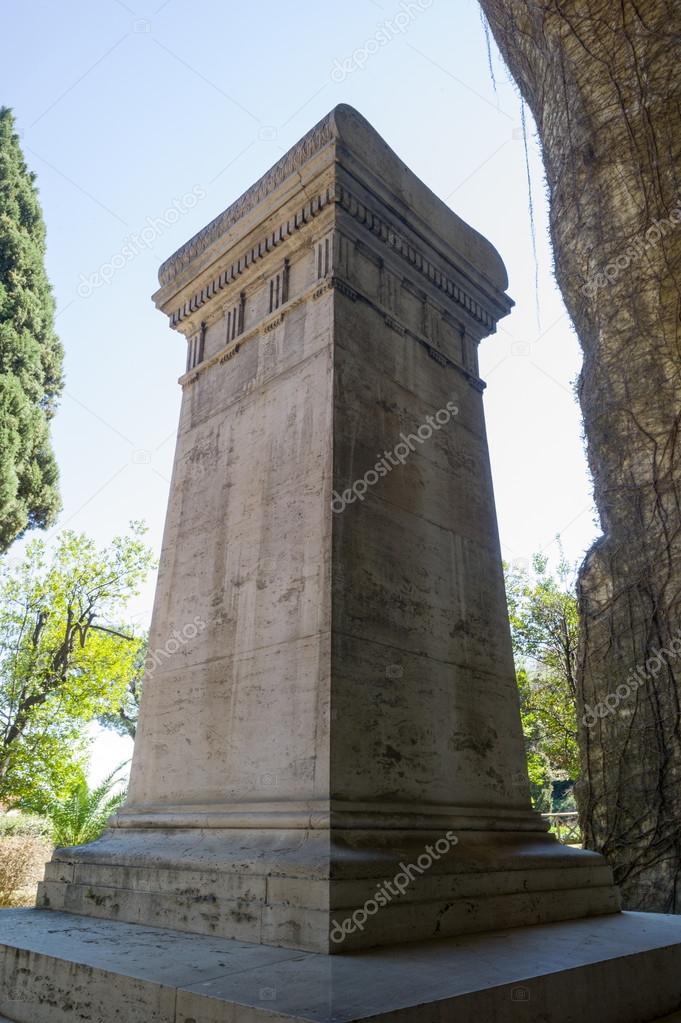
[545, 632]
[124, 718]
[65, 656]
[538, 764]
[30, 352]
[81, 814]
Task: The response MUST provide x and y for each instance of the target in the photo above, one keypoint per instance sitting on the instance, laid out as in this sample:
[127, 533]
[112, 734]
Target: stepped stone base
[61, 968]
[307, 889]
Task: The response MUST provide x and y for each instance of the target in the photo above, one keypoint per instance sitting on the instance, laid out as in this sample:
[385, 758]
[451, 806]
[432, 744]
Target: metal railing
[565, 826]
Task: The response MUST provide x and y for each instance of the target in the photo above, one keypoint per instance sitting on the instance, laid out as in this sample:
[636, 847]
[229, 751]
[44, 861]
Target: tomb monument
[330, 759]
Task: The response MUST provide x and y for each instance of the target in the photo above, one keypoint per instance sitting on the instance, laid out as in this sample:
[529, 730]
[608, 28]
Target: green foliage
[30, 353]
[81, 815]
[51, 752]
[65, 659]
[29, 825]
[124, 719]
[545, 632]
[564, 797]
[538, 766]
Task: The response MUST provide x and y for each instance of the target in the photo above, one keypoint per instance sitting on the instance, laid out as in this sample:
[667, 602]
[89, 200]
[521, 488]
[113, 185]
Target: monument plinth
[329, 753]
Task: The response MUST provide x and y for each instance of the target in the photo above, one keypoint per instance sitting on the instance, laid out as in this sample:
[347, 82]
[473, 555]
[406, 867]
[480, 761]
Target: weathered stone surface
[331, 691]
[252, 886]
[625, 968]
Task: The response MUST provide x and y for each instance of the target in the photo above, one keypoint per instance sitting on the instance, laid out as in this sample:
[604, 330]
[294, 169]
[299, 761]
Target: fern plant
[82, 815]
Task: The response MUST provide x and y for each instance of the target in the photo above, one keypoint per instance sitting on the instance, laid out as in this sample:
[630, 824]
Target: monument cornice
[345, 148]
[380, 229]
[255, 252]
[414, 255]
[316, 139]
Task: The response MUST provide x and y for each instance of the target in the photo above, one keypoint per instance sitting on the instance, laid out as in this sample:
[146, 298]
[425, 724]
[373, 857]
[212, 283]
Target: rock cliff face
[603, 83]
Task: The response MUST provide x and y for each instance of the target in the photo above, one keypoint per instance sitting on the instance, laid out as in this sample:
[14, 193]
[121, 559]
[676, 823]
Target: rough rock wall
[602, 80]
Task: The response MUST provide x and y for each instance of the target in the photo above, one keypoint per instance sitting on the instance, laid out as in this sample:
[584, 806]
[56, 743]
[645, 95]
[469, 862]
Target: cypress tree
[30, 352]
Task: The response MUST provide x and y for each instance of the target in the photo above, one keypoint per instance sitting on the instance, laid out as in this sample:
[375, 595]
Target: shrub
[18, 861]
[29, 825]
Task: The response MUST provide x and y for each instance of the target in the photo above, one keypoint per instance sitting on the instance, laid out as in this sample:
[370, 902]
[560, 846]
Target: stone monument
[329, 755]
[345, 696]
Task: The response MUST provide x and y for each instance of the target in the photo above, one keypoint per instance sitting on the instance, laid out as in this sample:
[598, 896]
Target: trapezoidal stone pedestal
[59, 968]
[330, 753]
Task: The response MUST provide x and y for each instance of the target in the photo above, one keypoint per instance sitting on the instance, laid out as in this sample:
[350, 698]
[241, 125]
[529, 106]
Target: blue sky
[125, 108]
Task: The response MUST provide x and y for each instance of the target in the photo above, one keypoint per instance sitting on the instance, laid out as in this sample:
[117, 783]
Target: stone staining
[323, 248]
[279, 285]
[196, 347]
[351, 701]
[232, 317]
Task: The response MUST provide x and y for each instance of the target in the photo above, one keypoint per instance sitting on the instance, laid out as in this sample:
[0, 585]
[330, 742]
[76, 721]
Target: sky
[126, 109]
